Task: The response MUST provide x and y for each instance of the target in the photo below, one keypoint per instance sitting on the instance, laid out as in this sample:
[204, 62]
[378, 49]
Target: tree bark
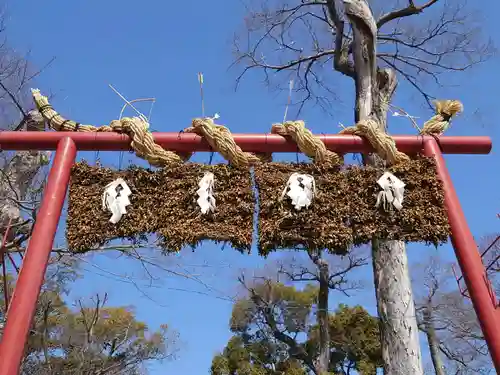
[16, 178]
[323, 320]
[398, 326]
[374, 89]
[433, 341]
[323, 360]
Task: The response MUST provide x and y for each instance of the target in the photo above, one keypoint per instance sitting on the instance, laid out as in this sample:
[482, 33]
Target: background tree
[371, 44]
[446, 316]
[276, 331]
[253, 358]
[88, 338]
[354, 341]
[22, 174]
[327, 273]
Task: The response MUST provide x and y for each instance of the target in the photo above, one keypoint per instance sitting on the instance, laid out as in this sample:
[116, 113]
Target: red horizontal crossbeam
[24, 299]
[185, 142]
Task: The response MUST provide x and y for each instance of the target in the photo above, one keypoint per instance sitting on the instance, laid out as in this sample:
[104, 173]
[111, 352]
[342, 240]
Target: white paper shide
[392, 192]
[115, 199]
[301, 189]
[206, 199]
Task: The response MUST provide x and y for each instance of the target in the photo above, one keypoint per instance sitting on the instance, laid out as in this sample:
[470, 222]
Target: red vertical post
[6, 297]
[29, 283]
[468, 258]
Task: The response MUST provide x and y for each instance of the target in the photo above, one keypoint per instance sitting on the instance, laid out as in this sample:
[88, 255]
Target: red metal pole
[6, 297]
[469, 258]
[29, 283]
[184, 142]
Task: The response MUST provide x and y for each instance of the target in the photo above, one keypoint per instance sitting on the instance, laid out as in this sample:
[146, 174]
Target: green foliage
[292, 305]
[249, 358]
[90, 338]
[354, 340]
[275, 334]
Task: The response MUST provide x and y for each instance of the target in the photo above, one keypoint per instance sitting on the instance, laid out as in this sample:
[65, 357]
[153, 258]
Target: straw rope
[142, 141]
[383, 143]
[307, 143]
[439, 123]
[221, 140]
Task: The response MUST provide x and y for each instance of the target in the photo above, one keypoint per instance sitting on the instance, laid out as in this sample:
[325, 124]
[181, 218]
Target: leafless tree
[372, 43]
[490, 253]
[446, 316]
[307, 40]
[21, 177]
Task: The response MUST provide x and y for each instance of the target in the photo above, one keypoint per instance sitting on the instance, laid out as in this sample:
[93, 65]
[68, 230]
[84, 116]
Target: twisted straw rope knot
[383, 143]
[220, 139]
[439, 123]
[264, 157]
[307, 143]
[142, 141]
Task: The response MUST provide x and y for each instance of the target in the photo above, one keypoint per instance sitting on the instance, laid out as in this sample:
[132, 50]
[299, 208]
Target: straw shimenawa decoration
[163, 202]
[220, 139]
[324, 225]
[342, 214]
[383, 143]
[423, 217]
[142, 141]
[439, 123]
[307, 143]
[280, 226]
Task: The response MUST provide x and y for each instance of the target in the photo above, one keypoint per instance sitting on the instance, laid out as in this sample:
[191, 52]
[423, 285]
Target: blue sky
[155, 49]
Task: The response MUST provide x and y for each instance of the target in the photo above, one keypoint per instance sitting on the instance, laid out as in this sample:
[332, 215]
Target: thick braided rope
[220, 139]
[142, 141]
[307, 143]
[445, 110]
[383, 143]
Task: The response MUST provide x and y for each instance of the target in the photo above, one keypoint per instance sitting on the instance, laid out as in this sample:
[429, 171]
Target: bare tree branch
[449, 320]
[302, 40]
[410, 10]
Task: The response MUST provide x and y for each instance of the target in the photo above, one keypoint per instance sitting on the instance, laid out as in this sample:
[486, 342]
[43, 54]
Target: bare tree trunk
[374, 89]
[16, 178]
[322, 314]
[400, 342]
[433, 341]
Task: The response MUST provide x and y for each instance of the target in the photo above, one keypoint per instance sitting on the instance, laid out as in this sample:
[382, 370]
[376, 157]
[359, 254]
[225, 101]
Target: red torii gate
[23, 302]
